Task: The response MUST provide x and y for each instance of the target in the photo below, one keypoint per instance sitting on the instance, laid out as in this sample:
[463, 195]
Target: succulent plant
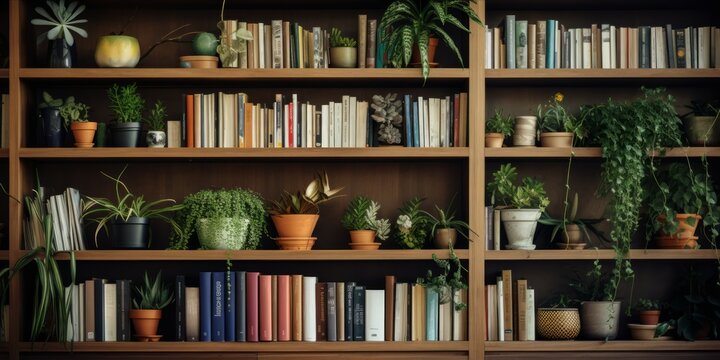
[386, 112]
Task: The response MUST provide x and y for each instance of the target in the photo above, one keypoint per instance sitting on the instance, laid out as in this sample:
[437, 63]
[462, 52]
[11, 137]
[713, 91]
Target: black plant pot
[125, 134]
[131, 234]
[60, 54]
[51, 126]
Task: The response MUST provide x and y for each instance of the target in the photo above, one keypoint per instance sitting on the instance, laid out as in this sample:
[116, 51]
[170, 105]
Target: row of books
[5, 121]
[282, 44]
[231, 120]
[65, 211]
[510, 309]
[249, 307]
[493, 230]
[546, 44]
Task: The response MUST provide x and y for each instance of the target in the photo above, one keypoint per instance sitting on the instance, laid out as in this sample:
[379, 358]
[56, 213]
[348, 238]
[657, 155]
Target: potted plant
[296, 214]
[648, 311]
[497, 128]
[128, 215]
[700, 123]
[559, 321]
[521, 205]
[63, 21]
[572, 228]
[417, 27]
[156, 137]
[360, 218]
[558, 128]
[412, 226]
[50, 120]
[127, 105]
[233, 219]
[444, 227]
[448, 281]
[152, 297]
[599, 312]
[343, 50]
[76, 114]
[677, 199]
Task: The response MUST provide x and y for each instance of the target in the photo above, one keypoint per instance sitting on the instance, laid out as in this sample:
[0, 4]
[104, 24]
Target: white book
[52, 212]
[345, 121]
[653, 48]
[434, 122]
[362, 124]
[623, 48]
[277, 44]
[460, 317]
[500, 299]
[296, 121]
[302, 142]
[586, 48]
[352, 122]
[661, 42]
[311, 125]
[81, 312]
[488, 48]
[704, 49]
[401, 304]
[421, 120]
[444, 123]
[688, 48]
[558, 52]
[530, 313]
[325, 121]
[331, 124]
[613, 47]
[286, 125]
[338, 115]
[374, 315]
[309, 329]
[261, 46]
[221, 119]
[109, 313]
[532, 46]
[426, 122]
[605, 47]
[571, 46]
[445, 318]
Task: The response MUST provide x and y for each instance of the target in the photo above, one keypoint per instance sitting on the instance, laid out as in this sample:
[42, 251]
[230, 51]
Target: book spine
[331, 307]
[541, 43]
[283, 304]
[531, 45]
[253, 333]
[550, 48]
[374, 315]
[431, 314]
[230, 309]
[362, 40]
[110, 311]
[521, 44]
[297, 307]
[605, 38]
[99, 310]
[89, 310]
[265, 307]
[460, 320]
[180, 308]
[218, 306]
[530, 313]
[192, 313]
[644, 47]
[521, 306]
[508, 305]
[273, 302]
[669, 46]
[240, 306]
[359, 313]
[371, 41]
[389, 303]
[277, 44]
[510, 41]
[340, 301]
[349, 310]
[309, 308]
[321, 311]
[123, 308]
[500, 301]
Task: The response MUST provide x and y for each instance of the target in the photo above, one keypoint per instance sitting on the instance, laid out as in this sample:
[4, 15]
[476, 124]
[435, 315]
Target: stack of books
[510, 309]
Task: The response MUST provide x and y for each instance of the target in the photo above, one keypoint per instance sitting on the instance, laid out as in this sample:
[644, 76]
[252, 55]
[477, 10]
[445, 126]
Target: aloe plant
[154, 295]
[317, 192]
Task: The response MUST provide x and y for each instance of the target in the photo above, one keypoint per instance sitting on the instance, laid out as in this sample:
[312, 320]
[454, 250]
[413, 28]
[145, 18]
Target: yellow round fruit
[117, 51]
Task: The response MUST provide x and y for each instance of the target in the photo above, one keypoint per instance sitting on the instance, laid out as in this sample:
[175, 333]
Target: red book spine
[283, 307]
[265, 303]
[252, 306]
[190, 121]
[456, 120]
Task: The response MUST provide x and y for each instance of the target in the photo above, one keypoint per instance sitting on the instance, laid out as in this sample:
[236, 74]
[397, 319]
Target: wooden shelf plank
[254, 75]
[590, 254]
[349, 346]
[588, 152]
[4, 73]
[259, 255]
[4, 153]
[579, 74]
[75, 154]
[4, 255]
[619, 345]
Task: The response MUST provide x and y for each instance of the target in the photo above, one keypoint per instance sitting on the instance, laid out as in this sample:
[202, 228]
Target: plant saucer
[520, 247]
[148, 338]
[369, 246]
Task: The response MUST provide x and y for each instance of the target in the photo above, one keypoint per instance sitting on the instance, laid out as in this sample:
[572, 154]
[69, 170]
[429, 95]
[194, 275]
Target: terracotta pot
[558, 324]
[649, 317]
[83, 133]
[432, 46]
[343, 57]
[199, 61]
[291, 243]
[145, 322]
[642, 331]
[494, 140]
[572, 240]
[295, 225]
[671, 242]
[556, 139]
[525, 128]
[362, 236]
[445, 237]
[685, 229]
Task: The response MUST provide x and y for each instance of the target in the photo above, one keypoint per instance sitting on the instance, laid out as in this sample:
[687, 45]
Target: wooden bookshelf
[603, 254]
[4, 255]
[4, 73]
[600, 74]
[4, 153]
[259, 255]
[617, 345]
[589, 152]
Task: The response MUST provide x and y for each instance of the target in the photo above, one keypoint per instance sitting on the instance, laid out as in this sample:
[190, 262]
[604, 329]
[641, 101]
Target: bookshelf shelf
[620, 345]
[581, 76]
[606, 254]
[76, 154]
[259, 255]
[4, 255]
[252, 75]
[4, 153]
[590, 152]
[4, 73]
[350, 346]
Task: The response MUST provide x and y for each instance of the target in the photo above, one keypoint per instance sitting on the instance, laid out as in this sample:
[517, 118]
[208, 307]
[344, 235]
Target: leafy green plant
[499, 123]
[529, 194]
[596, 286]
[679, 189]
[572, 219]
[127, 205]
[237, 203]
[317, 192]
[361, 214]
[156, 119]
[126, 103]
[152, 295]
[412, 226]
[445, 219]
[49, 101]
[72, 111]
[647, 304]
[411, 23]
[337, 40]
[449, 279]
[552, 117]
[63, 21]
[630, 133]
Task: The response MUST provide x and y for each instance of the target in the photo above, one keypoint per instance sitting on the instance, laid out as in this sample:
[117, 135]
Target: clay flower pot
[145, 322]
[83, 133]
[445, 237]
[362, 236]
[556, 139]
[494, 140]
[432, 46]
[295, 225]
[684, 237]
[649, 317]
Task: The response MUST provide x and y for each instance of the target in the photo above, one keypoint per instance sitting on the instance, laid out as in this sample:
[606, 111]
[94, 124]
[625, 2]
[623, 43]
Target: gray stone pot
[697, 127]
[600, 319]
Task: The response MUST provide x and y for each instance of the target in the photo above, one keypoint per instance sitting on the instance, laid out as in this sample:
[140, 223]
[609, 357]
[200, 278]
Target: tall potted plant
[497, 128]
[127, 105]
[343, 50]
[521, 205]
[152, 297]
[361, 219]
[76, 115]
[599, 311]
[128, 216]
[558, 128]
[156, 137]
[63, 21]
[444, 227]
[413, 28]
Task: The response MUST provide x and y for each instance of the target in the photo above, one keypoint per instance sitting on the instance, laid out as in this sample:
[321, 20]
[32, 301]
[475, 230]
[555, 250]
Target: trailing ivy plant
[220, 203]
[448, 281]
[630, 133]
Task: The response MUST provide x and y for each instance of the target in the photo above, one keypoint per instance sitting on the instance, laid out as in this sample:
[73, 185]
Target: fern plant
[410, 23]
[361, 214]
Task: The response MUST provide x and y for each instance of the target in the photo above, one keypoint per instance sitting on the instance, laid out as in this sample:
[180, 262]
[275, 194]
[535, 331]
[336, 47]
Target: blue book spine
[550, 48]
[407, 104]
[431, 314]
[205, 305]
[218, 306]
[230, 306]
[240, 294]
[416, 125]
[510, 40]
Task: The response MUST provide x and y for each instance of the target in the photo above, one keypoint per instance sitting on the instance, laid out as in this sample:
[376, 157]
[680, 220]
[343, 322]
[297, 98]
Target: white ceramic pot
[525, 131]
[156, 139]
[520, 225]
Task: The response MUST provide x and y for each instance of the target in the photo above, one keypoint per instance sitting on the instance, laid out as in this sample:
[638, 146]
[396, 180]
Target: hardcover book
[374, 315]
[218, 306]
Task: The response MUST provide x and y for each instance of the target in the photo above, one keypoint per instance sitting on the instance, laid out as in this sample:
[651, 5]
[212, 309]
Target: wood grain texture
[588, 254]
[589, 152]
[620, 345]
